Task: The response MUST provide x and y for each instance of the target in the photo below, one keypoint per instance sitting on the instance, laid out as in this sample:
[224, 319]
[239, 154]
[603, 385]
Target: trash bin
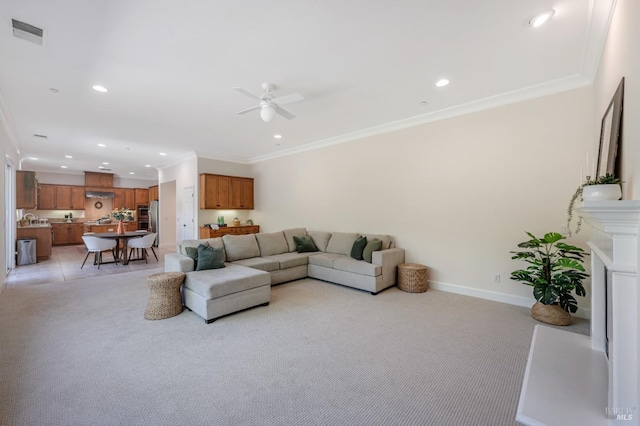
[27, 251]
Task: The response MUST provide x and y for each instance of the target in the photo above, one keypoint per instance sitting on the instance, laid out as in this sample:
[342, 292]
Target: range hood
[99, 194]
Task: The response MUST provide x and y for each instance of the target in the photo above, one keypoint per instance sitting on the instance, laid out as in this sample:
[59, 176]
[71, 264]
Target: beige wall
[10, 156]
[457, 194]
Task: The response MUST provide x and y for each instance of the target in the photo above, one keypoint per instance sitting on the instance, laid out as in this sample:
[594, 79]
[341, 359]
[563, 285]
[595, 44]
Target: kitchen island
[100, 228]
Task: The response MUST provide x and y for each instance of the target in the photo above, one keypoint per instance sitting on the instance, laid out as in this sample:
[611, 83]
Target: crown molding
[599, 21]
[572, 82]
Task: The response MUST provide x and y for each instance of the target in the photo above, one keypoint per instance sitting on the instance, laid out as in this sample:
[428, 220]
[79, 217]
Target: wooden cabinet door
[76, 230]
[118, 198]
[26, 191]
[215, 192]
[142, 196]
[47, 197]
[129, 199]
[153, 192]
[77, 197]
[236, 193]
[101, 180]
[63, 197]
[246, 197]
[60, 233]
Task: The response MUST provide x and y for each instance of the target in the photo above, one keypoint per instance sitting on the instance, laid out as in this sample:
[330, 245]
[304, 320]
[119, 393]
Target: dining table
[124, 238]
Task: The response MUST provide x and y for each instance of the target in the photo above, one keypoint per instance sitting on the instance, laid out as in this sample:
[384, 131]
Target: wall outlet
[496, 278]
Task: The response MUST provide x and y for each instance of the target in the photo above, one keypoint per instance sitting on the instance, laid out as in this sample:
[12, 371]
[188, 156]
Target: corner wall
[457, 194]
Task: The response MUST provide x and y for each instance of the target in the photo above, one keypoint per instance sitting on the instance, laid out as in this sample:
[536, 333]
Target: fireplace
[601, 382]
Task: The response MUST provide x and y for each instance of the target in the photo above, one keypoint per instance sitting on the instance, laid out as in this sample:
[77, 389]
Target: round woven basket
[412, 277]
[550, 314]
[165, 299]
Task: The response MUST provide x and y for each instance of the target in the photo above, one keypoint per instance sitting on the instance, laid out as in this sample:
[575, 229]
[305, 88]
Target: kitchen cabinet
[215, 191]
[67, 233]
[129, 198]
[26, 192]
[141, 196]
[47, 197]
[226, 192]
[61, 197]
[124, 197]
[206, 232]
[242, 193]
[98, 180]
[42, 234]
[118, 198]
[153, 193]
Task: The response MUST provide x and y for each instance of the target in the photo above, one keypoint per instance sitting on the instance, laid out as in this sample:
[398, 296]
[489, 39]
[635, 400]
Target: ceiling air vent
[27, 32]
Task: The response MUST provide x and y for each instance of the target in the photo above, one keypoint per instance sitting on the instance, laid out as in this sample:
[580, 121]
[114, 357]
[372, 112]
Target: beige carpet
[80, 353]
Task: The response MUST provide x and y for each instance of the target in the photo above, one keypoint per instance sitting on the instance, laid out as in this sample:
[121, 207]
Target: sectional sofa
[255, 262]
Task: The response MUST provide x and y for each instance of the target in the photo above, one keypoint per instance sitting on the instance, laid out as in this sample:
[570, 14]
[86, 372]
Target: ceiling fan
[270, 105]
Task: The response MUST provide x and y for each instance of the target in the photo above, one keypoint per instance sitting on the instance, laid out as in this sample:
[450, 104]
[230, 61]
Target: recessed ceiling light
[33, 158]
[68, 156]
[423, 103]
[105, 163]
[101, 167]
[162, 153]
[132, 173]
[53, 90]
[99, 88]
[40, 136]
[147, 165]
[101, 145]
[539, 18]
[64, 167]
[277, 136]
[442, 82]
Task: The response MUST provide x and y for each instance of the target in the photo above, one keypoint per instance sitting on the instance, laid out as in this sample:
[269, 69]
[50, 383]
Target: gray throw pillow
[192, 252]
[304, 244]
[373, 245]
[358, 247]
[209, 258]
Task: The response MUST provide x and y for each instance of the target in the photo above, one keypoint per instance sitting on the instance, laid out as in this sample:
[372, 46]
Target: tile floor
[64, 265]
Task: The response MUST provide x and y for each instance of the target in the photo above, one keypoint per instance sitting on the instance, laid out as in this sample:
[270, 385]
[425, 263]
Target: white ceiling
[170, 67]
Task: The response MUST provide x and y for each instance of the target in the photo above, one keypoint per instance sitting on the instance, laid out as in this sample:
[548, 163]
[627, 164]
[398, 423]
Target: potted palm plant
[555, 270]
[605, 187]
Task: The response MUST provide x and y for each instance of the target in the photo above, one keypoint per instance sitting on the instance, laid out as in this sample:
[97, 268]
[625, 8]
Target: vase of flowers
[119, 215]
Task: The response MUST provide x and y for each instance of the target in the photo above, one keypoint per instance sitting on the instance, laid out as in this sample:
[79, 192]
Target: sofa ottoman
[217, 292]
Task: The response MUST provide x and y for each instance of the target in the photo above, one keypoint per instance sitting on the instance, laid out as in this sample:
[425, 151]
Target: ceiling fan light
[267, 113]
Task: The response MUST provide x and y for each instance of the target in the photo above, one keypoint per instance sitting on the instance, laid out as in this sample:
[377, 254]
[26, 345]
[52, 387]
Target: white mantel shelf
[569, 378]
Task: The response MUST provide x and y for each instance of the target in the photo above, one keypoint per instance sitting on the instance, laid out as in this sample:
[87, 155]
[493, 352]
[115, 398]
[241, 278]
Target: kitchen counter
[42, 234]
[36, 225]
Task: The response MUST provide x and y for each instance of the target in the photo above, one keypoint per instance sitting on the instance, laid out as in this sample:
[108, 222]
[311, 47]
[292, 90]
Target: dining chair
[144, 243]
[98, 245]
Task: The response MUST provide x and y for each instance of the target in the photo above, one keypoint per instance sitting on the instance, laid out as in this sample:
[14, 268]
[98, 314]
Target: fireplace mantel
[607, 388]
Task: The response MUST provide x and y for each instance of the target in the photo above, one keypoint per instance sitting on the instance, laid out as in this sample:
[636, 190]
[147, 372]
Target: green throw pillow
[358, 247]
[192, 252]
[209, 258]
[304, 244]
[373, 245]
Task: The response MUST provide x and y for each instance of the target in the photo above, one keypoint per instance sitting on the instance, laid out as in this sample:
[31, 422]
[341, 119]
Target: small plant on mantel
[555, 270]
[607, 179]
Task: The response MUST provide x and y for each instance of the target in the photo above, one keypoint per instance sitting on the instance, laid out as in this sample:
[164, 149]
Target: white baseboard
[495, 296]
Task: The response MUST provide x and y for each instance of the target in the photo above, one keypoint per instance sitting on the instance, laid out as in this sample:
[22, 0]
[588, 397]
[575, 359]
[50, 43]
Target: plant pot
[601, 192]
[550, 314]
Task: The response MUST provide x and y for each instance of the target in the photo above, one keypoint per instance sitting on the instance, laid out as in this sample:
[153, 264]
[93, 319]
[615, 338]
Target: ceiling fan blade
[286, 114]
[253, 108]
[247, 93]
[283, 100]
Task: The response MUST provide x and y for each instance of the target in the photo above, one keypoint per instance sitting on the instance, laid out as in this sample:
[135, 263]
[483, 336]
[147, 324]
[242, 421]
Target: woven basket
[165, 299]
[412, 277]
[550, 314]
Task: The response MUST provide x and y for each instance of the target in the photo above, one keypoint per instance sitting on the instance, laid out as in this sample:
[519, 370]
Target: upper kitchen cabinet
[61, 197]
[225, 192]
[242, 193]
[141, 196]
[98, 180]
[26, 189]
[153, 193]
[215, 191]
[118, 198]
[129, 198]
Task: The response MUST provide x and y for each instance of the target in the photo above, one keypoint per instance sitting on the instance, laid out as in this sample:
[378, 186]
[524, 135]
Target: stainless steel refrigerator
[154, 220]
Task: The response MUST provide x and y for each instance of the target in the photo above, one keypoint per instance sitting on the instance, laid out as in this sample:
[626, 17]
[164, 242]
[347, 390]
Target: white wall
[10, 156]
[457, 194]
[184, 174]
